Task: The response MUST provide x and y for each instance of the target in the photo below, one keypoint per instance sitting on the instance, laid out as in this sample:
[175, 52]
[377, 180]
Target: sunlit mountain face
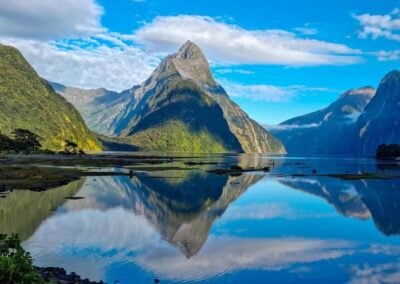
[190, 225]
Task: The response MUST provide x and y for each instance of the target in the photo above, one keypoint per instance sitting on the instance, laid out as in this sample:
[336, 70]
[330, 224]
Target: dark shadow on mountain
[184, 106]
[116, 144]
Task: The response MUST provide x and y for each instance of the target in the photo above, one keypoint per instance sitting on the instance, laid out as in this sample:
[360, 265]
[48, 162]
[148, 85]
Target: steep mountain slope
[327, 131]
[380, 122]
[181, 101]
[104, 111]
[29, 102]
[180, 107]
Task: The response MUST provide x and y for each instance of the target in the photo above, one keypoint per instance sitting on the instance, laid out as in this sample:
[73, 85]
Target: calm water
[184, 225]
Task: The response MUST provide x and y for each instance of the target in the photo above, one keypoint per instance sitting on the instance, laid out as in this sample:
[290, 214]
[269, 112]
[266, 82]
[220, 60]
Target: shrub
[15, 263]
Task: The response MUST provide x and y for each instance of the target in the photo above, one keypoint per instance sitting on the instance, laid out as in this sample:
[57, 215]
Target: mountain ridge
[185, 71]
[326, 131]
[29, 102]
[380, 122]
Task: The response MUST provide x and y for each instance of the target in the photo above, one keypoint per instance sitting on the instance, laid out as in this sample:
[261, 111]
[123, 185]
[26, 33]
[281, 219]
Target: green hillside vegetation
[182, 118]
[28, 102]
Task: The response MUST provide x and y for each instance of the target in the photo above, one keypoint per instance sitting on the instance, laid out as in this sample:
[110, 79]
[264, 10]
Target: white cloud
[270, 93]
[395, 11]
[49, 19]
[384, 55]
[376, 26]
[306, 31]
[228, 254]
[230, 71]
[230, 44]
[88, 63]
[381, 273]
[291, 126]
[65, 42]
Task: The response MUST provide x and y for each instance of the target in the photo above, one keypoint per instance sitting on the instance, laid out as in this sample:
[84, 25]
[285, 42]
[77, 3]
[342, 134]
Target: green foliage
[24, 140]
[176, 136]
[6, 143]
[15, 263]
[183, 118]
[71, 147]
[28, 102]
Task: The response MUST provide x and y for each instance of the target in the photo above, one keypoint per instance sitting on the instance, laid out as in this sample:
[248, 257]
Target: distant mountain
[326, 131]
[29, 102]
[380, 121]
[105, 112]
[180, 107]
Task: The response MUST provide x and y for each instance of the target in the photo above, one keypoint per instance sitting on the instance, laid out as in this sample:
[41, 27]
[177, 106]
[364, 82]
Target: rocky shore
[58, 275]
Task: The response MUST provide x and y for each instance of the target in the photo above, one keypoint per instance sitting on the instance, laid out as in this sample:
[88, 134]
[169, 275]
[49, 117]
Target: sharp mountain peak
[190, 51]
[365, 91]
[190, 63]
[393, 75]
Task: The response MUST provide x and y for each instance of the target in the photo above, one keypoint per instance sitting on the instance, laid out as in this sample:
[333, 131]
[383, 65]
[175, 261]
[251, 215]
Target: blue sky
[277, 59]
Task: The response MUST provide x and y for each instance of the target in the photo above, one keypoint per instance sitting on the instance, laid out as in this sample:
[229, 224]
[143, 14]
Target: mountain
[105, 112]
[380, 121]
[29, 102]
[180, 107]
[326, 131]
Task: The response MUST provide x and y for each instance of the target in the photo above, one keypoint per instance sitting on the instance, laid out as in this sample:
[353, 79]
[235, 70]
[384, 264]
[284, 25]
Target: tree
[26, 140]
[15, 263]
[71, 147]
[6, 143]
[391, 151]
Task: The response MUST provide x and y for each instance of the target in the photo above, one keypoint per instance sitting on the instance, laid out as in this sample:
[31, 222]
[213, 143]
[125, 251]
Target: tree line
[391, 151]
[25, 141]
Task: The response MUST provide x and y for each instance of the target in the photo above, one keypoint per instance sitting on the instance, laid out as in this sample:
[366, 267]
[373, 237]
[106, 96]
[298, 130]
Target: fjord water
[182, 224]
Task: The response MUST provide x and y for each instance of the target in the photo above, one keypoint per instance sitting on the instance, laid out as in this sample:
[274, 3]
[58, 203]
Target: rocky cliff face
[327, 131]
[380, 122]
[189, 70]
[29, 102]
[180, 107]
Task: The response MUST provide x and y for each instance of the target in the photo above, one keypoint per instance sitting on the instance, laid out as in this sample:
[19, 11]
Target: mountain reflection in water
[184, 225]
